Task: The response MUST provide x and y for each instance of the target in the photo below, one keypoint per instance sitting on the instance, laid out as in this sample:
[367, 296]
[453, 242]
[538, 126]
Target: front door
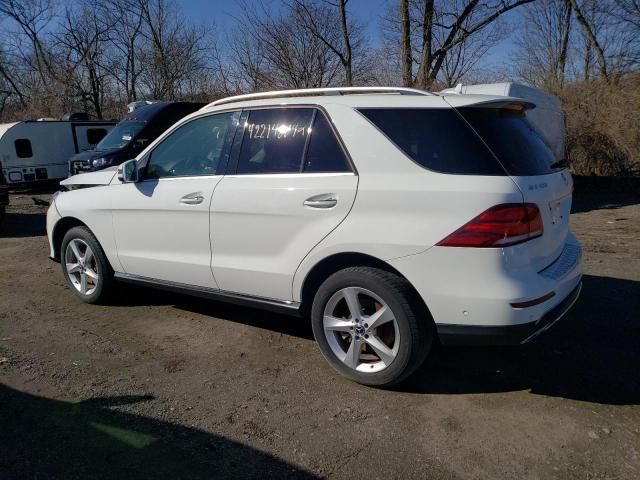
[161, 223]
[289, 186]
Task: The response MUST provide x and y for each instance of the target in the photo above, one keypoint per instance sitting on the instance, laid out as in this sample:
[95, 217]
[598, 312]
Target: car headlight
[100, 162]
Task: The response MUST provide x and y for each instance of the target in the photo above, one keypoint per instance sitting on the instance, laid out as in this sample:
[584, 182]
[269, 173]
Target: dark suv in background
[129, 137]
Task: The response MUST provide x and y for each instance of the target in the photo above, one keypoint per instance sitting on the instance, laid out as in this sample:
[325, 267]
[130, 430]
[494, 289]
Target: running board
[279, 306]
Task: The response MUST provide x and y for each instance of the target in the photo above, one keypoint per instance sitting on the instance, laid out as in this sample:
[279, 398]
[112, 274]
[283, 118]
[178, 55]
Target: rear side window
[324, 153]
[23, 148]
[437, 139]
[516, 144]
[274, 140]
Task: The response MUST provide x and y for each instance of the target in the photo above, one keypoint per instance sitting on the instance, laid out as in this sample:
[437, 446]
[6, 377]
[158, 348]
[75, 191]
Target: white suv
[391, 218]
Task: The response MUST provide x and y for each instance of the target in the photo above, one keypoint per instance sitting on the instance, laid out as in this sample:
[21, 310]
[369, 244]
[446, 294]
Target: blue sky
[368, 12]
[223, 11]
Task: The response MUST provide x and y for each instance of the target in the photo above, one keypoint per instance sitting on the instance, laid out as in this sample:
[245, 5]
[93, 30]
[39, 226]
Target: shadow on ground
[586, 202]
[44, 438]
[133, 295]
[20, 225]
[592, 355]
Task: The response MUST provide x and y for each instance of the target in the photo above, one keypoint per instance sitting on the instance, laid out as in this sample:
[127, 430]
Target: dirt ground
[164, 385]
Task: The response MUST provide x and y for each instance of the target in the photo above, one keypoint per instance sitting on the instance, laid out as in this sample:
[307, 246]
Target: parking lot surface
[168, 386]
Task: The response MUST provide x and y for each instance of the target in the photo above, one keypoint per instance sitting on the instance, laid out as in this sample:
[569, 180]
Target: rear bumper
[506, 335]
[471, 293]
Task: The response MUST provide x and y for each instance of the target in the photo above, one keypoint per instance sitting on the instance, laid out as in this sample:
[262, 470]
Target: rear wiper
[559, 164]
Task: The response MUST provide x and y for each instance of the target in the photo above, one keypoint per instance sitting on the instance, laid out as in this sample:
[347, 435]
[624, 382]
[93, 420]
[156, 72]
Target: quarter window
[436, 138]
[23, 148]
[324, 153]
[274, 140]
[198, 147]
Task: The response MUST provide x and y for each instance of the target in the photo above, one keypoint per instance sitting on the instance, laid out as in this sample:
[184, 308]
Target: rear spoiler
[510, 103]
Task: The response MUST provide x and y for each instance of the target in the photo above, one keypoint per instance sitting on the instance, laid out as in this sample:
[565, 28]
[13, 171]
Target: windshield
[120, 136]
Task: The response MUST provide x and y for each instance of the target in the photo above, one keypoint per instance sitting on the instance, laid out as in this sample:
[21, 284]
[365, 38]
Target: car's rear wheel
[370, 326]
[85, 266]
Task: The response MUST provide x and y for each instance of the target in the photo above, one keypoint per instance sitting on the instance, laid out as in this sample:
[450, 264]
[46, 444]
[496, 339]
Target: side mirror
[128, 171]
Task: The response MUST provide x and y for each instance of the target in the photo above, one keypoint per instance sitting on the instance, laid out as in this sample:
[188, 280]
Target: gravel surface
[162, 385]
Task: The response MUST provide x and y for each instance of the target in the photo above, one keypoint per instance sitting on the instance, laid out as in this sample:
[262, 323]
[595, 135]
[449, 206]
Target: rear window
[437, 139]
[516, 144]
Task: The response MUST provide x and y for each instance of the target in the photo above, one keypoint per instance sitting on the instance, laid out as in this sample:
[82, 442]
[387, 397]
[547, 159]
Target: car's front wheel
[85, 266]
[370, 326]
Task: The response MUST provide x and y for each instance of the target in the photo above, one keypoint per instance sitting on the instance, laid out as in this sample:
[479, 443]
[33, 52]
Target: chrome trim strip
[281, 306]
[562, 314]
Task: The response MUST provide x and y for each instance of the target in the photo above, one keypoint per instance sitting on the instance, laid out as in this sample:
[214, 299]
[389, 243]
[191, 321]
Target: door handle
[325, 200]
[192, 199]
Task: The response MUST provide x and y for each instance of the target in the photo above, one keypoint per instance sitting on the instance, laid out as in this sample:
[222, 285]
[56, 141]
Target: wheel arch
[60, 229]
[333, 263]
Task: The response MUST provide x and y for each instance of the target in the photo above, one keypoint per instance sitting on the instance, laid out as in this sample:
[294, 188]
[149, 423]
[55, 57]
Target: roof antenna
[458, 88]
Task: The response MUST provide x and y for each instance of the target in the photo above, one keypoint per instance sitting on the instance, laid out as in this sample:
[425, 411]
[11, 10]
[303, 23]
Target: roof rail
[305, 92]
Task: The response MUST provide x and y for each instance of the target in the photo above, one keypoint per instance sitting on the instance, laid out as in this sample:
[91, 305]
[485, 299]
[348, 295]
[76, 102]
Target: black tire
[105, 286]
[413, 322]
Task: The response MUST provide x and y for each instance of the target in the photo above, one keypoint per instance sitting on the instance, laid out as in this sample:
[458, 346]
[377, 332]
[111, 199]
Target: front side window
[196, 148]
[274, 140]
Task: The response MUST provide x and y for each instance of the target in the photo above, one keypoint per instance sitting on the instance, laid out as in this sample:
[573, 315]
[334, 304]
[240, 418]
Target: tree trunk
[405, 32]
[591, 38]
[565, 45]
[427, 39]
[342, 4]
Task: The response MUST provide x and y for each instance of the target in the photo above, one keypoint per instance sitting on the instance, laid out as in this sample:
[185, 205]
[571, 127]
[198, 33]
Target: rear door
[532, 165]
[290, 185]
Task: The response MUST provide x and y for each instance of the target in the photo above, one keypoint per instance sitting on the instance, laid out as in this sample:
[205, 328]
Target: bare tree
[427, 43]
[32, 17]
[405, 44]
[276, 50]
[543, 44]
[462, 59]
[81, 50]
[443, 39]
[459, 31]
[125, 36]
[174, 52]
[591, 38]
[319, 20]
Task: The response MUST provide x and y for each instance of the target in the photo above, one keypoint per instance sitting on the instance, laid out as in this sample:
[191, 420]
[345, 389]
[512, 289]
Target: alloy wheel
[361, 329]
[82, 266]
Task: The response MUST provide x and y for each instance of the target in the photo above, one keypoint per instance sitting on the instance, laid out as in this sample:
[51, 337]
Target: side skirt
[279, 306]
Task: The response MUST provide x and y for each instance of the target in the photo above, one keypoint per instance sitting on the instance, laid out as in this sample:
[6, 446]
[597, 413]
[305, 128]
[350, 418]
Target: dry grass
[603, 127]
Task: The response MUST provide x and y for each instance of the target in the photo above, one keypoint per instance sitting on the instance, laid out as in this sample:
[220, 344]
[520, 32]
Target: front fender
[91, 207]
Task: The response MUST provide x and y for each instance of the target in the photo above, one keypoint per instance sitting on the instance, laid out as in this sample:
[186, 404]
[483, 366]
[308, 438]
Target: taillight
[500, 226]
